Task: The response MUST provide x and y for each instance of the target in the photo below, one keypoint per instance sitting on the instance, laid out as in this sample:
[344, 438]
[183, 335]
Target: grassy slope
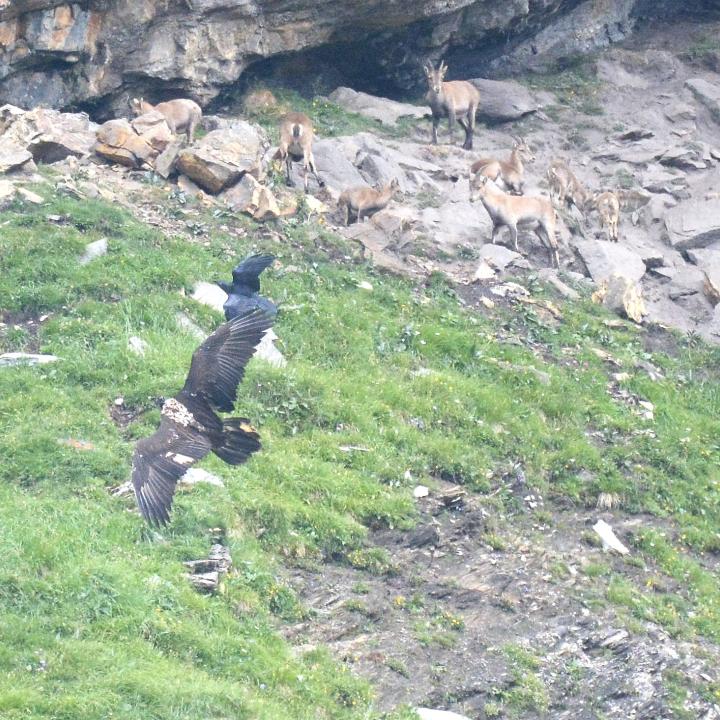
[95, 615]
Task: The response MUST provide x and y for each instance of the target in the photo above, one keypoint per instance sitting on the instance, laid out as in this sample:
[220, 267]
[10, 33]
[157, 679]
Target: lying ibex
[181, 115]
[510, 171]
[509, 210]
[608, 207]
[565, 186]
[365, 199]
[456, 100]
[296, 139]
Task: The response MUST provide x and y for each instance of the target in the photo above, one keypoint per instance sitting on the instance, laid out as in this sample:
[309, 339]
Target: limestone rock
[251, 197]
[153, 129]
[604, 259]
[695, 224]
[503, 100]
[707, 93]
[498, 256]
[623, 296]
[222, 157]
[118, 142]
[14, 157]
[94, 250]
[386, 112]
[20, 358]
[49, 135]
[209, 294]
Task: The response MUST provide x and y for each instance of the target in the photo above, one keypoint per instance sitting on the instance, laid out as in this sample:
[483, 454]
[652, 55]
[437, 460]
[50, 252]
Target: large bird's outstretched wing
[218, 365]
[247, 273]
[160, 461]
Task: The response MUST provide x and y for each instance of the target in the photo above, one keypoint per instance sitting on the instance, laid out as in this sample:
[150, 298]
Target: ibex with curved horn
[455, 100]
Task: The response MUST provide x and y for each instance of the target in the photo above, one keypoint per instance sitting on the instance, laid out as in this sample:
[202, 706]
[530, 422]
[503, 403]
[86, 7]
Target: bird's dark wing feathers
[159, 462]
[247, 273]
[218, 365]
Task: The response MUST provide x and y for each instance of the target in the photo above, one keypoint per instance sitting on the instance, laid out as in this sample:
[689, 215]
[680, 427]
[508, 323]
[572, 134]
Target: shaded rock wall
[93, 53]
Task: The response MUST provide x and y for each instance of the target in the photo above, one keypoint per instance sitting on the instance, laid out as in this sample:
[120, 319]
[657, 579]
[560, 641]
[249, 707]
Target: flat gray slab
[604, 259]
[694, 224]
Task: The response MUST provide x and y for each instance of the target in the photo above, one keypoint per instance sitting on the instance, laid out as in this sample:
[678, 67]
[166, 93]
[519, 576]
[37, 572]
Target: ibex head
[136, 106]
[434, 76]
[523, 149]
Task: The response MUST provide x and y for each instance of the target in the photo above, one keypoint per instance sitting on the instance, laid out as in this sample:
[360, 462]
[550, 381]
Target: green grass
[95, 614]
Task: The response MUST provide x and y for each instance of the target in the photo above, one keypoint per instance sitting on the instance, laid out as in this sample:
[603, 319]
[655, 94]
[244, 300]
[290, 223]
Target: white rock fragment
[94, 250]
[609, 539]
[430, 714]
[365, 285]
[267, 351]
[484, 272]
[137, 345]
[20, 358]
[197, 475]
[421, 491]
[190, 327]
[30, 196]
[209, 294]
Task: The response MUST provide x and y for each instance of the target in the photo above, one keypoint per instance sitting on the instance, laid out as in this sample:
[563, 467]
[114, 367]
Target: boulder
[153, 128]
[118, 142]
[604, 259]
[49, 135]
[14, 157]
[503, 100]
[334, 161]
[251, 197]
[498, 256]
[385, 111]
[694, 224]
[165, 162]
[706, 93]
[660, 181]
[222, 157]
[623, 296]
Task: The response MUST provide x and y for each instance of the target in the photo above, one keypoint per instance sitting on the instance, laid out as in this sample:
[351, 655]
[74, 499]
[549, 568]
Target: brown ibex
[511, 171]
[365, 199]
[608, 207]
[455, 100]
[181, 115]
[296, 139]
[565, 186]
[509, 210]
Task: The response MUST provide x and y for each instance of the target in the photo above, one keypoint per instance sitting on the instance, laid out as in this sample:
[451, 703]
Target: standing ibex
[366, 199]
[296, 139]
[511, 171]
[565, 186]
[456, 100]
[181, 115]
[509, 210]
[608, 207]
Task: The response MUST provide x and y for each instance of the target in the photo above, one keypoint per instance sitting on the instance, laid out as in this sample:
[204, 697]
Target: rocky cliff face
[93, 53]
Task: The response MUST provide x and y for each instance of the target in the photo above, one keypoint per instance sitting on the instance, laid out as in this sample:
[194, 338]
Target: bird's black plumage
[244, 291]
[190, 427]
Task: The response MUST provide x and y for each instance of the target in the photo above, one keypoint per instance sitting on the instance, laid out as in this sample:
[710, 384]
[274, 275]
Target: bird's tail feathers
[240, 440]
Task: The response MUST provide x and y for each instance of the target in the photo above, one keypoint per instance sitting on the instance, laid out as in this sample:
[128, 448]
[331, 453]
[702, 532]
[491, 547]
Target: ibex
[181, 115]
[509, 210]
[565, 186]
[456, 100]
[366, 199]
[608, 207]
[510, 171]
[296, 139]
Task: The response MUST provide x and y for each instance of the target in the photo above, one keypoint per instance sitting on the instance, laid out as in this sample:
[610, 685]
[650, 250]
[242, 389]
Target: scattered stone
[209, 294]
[137, 345]
[253, 198]
[207, 574]
[118, 142]
[222, 157]
[188, 187]
[503, 100]
[423, 536]
[604, 259]
[635, 134]
[712, 284]
[685, 158]
[609, 539]
[365, 285]
[550, 275]
[498, 256]
[387, 112]
[695, 224]
[11, 359]
[30, 196]
[192, 328]
[7, 192]
[94, 250]
[193, 476]
[165, 162]
[421, 491]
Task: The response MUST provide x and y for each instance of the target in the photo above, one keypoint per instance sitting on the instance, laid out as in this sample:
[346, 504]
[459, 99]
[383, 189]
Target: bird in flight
[244, 291]
[190, 427]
